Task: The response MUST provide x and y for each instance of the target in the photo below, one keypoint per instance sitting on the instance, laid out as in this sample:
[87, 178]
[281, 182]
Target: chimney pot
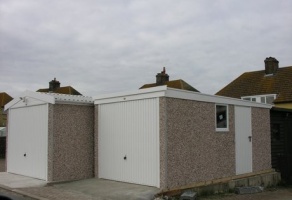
[53, 85]
[271, 65]
[162, 78]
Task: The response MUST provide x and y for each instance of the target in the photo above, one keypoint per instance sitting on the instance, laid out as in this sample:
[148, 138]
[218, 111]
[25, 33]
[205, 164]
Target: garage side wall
[195, 151]
[163, 142]
[71, 138]
[261, 139]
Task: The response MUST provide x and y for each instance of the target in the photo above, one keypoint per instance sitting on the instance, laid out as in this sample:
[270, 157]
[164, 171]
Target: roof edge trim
[35, 95]
[153, 92]
[189, 95]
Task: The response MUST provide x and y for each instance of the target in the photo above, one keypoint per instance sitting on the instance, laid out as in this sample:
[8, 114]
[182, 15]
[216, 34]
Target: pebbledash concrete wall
[192, 151]
[70, 142]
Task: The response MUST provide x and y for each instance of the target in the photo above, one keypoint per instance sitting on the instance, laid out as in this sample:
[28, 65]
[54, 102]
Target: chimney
[53, 85]
[271, 65]
[162, 78]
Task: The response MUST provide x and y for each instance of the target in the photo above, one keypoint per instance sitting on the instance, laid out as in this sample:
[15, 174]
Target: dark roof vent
[53, 85]
[271, 65]
[162, 78]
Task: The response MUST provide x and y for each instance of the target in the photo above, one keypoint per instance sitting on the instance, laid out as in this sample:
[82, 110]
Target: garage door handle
[125, 157]
[24, 154]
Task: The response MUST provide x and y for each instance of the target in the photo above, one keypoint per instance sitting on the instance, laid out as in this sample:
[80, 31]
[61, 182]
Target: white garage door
[128, 141]
[28, 141]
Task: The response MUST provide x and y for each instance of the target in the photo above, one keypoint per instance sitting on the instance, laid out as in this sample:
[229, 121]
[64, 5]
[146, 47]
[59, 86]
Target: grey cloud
[108, 46]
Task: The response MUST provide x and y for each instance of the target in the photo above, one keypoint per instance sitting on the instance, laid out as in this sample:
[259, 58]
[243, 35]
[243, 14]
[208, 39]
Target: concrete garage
[167, 138]
[50, 136]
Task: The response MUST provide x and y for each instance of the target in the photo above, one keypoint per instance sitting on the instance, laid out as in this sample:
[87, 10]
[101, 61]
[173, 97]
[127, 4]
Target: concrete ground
[281, 193]
[17, 181]
[94, 189]
[13, 195]
[98, 189]
[89, 189]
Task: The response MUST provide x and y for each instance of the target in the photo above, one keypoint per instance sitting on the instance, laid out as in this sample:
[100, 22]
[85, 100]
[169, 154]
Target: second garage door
[128, 141]
[28, 141]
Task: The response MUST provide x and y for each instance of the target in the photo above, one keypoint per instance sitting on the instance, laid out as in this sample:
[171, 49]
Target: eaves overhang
[29, 98]
[164, 91]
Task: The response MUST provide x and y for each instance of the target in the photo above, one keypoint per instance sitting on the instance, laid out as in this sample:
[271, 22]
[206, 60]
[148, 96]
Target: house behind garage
[50, 136]
[270, 85]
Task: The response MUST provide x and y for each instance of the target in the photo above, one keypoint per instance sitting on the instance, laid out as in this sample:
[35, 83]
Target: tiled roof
[177, 84]
[4, 99]
[62, 90]
[257, 83]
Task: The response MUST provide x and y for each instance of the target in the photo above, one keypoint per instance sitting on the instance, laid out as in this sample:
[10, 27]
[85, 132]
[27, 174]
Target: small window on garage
[222, 118]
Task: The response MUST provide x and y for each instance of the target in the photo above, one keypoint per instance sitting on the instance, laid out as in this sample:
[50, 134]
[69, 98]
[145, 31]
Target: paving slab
[97, 189]
[105, 189]
[18, 181]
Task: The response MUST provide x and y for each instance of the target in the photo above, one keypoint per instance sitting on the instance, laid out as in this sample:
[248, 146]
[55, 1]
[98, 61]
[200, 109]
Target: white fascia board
[29, 94]
[131, 95]
[188, 95]
[71, 99]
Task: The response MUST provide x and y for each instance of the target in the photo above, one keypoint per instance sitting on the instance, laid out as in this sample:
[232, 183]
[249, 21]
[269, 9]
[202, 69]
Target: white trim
[131, 95]
[71, 99]
[163, 91]
[34, 95]
[188, 95]
[51, 98]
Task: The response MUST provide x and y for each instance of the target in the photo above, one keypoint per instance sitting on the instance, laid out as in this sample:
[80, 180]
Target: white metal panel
[243, 140]
[128, 141]
[29, 98]
[28, 141]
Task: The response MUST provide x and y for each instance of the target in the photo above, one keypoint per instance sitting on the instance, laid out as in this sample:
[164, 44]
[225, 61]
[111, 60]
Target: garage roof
[34, 98]
[164, 91]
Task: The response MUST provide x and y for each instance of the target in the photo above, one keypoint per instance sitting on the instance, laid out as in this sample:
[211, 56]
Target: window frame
[259, 98]
[227, 118]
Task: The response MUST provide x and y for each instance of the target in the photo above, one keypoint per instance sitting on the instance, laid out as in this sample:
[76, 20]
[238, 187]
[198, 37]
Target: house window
[246, 98]
[268, 99]
[221, 118]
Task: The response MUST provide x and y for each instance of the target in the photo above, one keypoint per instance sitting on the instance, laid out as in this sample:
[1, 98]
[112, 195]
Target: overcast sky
[105, 46]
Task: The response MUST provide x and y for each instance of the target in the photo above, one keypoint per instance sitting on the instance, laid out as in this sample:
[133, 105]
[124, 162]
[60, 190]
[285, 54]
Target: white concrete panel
[243, 140]
[128, 143]
[28, 141]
